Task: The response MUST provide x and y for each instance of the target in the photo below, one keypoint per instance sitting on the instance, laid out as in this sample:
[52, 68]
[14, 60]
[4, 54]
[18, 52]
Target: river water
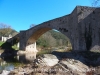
[9, 63]
[8, 66]
[17, 61]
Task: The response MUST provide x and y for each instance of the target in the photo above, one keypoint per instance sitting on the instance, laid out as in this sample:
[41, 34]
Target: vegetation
[1, 43]
[53, 38]
[15, 47]
[6, 30]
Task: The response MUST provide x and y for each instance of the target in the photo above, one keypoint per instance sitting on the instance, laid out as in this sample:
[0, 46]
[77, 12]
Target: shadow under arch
[37, 34]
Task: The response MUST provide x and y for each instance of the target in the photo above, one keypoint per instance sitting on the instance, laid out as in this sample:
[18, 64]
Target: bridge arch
[35, 32]
[68, 25]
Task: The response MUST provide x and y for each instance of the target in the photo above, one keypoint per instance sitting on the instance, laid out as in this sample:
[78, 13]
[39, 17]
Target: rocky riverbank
[61, 63]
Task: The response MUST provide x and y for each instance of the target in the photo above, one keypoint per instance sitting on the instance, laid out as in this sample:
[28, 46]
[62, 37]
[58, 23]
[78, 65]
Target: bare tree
[4, 29]
[48, 37]
[96, 3]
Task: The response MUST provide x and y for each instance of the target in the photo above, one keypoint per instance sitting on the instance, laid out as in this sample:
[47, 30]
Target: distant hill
[13, 32]
[6, 32]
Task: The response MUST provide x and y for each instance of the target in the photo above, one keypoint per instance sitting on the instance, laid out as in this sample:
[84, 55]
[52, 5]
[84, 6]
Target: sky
[20, 14]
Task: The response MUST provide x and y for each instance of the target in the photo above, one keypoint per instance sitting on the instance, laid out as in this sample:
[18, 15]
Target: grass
[1, 50]
[1, 43]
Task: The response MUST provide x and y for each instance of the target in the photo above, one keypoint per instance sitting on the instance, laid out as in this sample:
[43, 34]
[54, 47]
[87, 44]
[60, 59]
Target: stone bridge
[82, 27]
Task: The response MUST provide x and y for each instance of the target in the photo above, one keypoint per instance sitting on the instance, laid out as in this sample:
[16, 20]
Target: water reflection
[18, 60]
[5, 66]
[2, 62]
[9, 67]
[26, 58]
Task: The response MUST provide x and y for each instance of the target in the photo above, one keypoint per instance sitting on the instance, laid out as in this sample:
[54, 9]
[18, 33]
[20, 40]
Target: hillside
[53, 38]
[8, 31]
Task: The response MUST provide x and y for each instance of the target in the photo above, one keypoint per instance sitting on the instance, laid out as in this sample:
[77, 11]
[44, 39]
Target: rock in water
[75, 66]
[49, 59]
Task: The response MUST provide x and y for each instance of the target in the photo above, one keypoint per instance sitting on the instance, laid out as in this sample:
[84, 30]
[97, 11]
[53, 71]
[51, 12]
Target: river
[10, 63]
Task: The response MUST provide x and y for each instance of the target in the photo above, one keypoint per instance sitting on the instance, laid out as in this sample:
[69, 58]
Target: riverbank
[62, 63]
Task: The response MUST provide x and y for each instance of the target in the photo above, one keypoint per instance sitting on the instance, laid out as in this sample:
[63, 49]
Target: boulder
[48, 59]
[75, 66]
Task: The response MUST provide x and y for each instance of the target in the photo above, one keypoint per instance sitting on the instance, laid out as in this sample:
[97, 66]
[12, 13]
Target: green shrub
[15, 47]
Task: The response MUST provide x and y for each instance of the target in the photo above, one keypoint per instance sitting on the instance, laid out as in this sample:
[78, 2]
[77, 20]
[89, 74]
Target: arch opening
[44, 39]
[53, 40]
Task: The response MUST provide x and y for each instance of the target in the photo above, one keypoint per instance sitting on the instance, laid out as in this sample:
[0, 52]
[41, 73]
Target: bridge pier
[22, 40]
[29, 52]
[31, 49]
[27, 47]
